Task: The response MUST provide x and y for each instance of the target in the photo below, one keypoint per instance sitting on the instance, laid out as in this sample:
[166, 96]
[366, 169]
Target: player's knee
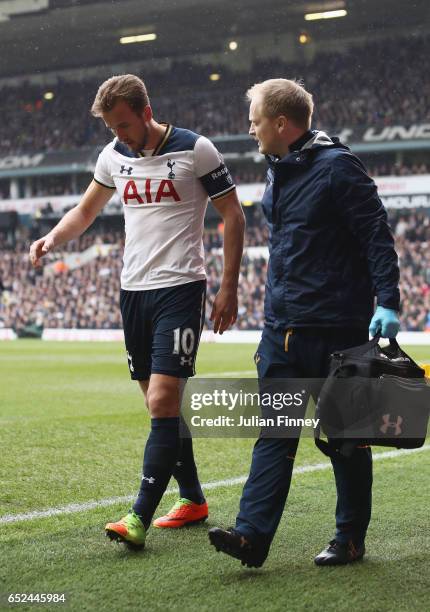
[162, 402]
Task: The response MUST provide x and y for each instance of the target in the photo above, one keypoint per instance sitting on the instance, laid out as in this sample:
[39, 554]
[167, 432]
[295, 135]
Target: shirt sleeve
[358, 202]
[211, 170]
[102, 173]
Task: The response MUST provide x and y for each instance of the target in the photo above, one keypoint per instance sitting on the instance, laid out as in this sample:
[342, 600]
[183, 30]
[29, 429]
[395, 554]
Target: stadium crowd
[398, 169]
[87, 296]
[188, 98]
[63, 185]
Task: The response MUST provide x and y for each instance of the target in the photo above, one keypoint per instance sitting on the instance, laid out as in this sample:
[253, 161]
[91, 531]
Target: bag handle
[395, 344]
[329, 450]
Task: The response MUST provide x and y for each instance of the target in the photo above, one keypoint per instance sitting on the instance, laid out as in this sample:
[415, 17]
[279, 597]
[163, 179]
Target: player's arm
[224, 311]
[219, 186]
[74, 223]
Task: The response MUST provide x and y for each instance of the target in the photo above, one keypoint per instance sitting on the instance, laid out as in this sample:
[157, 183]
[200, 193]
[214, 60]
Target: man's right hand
[39, 248]
[74, 223]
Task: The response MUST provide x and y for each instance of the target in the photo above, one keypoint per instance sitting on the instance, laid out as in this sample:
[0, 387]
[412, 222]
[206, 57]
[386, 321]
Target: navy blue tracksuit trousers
[304, 355]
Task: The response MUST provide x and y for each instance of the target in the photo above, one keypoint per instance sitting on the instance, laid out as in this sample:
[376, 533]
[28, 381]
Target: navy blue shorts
[162, 329]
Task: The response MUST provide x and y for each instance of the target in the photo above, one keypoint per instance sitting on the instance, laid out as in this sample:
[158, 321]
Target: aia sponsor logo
[151, 194]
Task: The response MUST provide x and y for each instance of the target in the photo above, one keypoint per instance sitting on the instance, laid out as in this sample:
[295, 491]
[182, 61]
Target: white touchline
[230, 374]
[101, 503]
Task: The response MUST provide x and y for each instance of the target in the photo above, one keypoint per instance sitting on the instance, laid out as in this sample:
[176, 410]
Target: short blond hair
[284, 97]
[127, 87]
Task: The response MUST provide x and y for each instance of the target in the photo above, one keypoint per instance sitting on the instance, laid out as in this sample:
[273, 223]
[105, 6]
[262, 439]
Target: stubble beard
[144, 140]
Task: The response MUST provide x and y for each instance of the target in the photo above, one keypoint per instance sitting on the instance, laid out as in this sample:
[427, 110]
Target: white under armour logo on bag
[387, 424]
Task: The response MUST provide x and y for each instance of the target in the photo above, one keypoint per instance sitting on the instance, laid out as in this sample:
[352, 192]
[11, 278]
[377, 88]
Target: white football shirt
[164, 197]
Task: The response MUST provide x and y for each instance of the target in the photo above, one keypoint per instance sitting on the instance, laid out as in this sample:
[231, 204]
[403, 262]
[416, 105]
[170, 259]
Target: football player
[164, 176]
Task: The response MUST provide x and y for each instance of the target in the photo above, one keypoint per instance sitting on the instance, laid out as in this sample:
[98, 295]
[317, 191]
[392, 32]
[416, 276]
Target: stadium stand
[36, 124]
[63, 184]
[87, 296]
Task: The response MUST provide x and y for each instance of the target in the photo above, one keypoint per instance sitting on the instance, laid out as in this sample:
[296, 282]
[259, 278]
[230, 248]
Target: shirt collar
[300, 142]
[164, 138]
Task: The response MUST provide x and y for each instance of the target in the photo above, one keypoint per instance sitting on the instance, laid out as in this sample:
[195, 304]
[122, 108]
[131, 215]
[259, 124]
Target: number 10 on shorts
[184, 340]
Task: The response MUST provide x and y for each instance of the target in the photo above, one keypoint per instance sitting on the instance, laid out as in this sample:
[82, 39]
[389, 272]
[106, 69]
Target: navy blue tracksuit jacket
[331, 249]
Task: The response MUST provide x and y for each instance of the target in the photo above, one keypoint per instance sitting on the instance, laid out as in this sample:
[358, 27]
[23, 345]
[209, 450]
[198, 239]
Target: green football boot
[129, 530]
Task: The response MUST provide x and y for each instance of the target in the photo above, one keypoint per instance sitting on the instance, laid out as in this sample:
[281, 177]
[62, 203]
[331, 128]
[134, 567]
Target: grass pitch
[72, 431]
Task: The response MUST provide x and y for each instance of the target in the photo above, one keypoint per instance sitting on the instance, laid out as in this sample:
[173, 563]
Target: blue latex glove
[386, 322]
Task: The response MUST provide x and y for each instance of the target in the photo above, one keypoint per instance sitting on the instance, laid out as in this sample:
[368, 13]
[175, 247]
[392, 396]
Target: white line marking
[230, 374]
[229, 482]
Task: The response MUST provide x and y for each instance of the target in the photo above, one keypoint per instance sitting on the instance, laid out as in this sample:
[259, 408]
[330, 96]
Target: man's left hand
[224, 310]
[386, 322]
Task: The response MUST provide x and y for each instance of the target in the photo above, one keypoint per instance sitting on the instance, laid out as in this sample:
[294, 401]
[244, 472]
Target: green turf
[72, 429]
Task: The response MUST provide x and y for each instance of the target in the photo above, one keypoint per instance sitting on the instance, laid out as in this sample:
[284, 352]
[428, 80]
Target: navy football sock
[185, 471]
[161, 454]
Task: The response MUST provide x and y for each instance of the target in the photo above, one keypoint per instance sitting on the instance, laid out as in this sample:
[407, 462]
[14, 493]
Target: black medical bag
[372, 396]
